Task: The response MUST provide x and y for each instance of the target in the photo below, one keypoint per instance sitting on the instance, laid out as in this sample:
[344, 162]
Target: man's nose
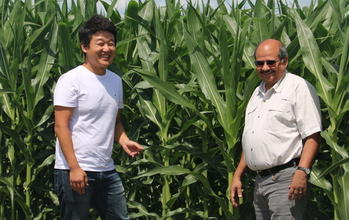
[106, 47]
[265, 66]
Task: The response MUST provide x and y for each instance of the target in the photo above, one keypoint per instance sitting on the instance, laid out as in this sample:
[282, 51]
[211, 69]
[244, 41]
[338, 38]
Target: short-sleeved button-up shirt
[277, 122]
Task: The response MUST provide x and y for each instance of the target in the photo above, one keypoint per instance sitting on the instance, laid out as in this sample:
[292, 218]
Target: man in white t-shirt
[87, 102]
[280, 138]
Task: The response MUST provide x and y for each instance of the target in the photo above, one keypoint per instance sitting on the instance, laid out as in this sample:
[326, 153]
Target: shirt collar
[276, 87]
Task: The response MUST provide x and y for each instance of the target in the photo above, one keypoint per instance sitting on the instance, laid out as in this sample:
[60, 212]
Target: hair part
[93, 25]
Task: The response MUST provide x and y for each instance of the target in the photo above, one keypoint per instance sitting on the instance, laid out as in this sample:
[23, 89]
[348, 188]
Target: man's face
[270, 67]
[100, 53]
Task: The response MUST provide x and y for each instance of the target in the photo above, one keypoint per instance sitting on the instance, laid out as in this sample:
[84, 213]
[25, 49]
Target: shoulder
[297, 81]
[112, 75]
[295, 78]
[301, 87]
[72, 74]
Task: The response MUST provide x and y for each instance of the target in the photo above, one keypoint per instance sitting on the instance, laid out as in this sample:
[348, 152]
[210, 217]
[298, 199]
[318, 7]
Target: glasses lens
[259, 63]
[271, 62]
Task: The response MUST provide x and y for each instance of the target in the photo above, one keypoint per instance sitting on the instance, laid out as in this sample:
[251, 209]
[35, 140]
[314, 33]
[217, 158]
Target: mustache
[266, 72]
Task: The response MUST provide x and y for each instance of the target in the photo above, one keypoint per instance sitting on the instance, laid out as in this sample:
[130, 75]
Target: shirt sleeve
[308, 111]
[66, 92]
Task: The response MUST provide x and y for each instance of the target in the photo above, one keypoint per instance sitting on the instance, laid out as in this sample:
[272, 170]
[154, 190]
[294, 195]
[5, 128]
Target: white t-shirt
[96, 100]
[277, 121]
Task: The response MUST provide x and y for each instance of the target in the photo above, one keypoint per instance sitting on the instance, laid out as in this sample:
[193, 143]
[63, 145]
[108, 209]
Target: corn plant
[331, 72]
[25, 71]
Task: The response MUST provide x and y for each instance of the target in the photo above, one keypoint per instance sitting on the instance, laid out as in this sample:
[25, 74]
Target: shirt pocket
[279, 117]
[250, 110]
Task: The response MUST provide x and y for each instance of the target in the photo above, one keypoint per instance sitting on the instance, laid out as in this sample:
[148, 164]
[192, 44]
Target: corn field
[188, 73]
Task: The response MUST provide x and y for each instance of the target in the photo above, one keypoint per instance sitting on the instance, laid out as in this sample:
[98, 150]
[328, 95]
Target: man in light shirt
[88, 101]
[280, 139]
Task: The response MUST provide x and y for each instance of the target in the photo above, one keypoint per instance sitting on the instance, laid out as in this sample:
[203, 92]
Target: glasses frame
[268, 62]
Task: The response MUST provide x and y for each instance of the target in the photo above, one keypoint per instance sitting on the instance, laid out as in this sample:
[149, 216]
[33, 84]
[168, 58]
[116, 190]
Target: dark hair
[94, 24]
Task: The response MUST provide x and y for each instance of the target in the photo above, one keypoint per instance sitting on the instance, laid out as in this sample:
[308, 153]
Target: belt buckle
[258, 173]
[264, 172]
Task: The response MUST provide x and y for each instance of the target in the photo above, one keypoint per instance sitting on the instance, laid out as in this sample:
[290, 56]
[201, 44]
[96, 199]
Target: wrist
[74, 166]
[236, 177]
[305, 170]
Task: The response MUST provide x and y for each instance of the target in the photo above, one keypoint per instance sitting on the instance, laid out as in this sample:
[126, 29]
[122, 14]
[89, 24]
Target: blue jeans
[105, 192]
[271, 197]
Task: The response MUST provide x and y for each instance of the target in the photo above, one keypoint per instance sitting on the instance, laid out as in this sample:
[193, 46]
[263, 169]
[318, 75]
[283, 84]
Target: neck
[97, 71]
[267, 87]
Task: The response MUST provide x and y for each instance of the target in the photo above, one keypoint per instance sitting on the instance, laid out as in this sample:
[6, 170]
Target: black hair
[93, 25]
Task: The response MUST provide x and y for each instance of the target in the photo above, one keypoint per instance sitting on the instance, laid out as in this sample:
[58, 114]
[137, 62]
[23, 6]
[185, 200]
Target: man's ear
[285, 61]
[83, 47]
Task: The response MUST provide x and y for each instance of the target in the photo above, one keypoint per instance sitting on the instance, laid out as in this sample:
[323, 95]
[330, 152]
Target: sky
[121, 4]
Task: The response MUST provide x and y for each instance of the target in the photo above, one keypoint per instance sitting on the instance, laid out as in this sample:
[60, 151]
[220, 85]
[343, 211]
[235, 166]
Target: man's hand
[235, 192]
[78, 180]
[132, 148]
[298, 187]
[236, 185]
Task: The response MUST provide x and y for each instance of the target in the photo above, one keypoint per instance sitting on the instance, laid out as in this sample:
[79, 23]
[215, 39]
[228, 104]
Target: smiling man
[280, 138]
[87, 102]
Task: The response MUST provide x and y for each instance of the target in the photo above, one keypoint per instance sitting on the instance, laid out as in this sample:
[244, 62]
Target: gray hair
[282, 51]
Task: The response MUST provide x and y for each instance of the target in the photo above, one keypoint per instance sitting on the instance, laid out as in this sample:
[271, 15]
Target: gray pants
[271, 197]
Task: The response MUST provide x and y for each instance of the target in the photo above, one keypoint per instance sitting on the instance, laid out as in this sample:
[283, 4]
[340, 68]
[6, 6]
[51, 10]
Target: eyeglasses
[260, 63]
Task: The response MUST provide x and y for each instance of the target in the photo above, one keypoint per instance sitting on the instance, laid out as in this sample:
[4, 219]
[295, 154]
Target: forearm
[130, 147]
[66, 143]
[120, 134]
[310, 149]
[62, 120]
[241, 169]
[298, 187]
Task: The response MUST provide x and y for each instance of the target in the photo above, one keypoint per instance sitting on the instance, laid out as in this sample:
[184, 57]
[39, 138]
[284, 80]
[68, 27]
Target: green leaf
[165, 88]
[205, 77]
[312, 58]
[4, 91]
[67, 59]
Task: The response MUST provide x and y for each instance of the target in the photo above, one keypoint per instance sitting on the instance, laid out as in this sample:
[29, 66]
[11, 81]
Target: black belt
[267, 172]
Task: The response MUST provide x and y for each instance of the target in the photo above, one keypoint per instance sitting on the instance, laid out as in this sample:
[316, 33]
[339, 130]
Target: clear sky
[121, 4]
